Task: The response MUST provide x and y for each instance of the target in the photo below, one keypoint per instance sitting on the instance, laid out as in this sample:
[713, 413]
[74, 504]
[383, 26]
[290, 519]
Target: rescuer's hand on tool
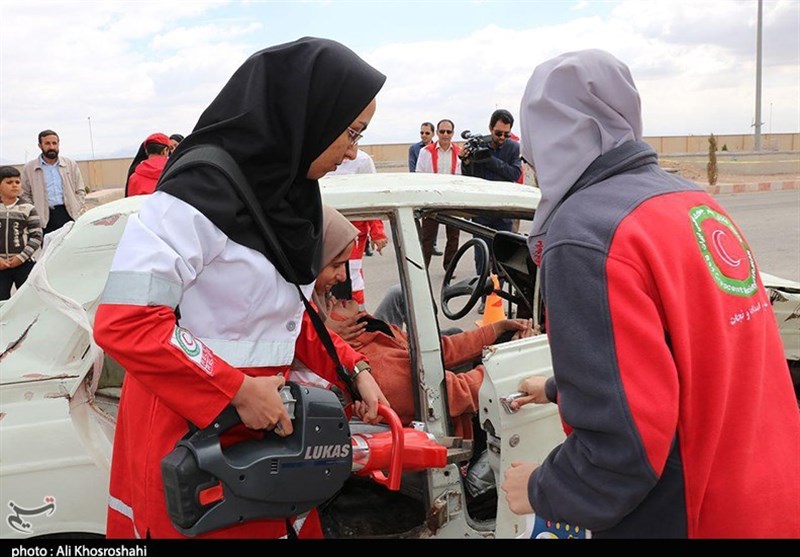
[260, 406]
[371, 395]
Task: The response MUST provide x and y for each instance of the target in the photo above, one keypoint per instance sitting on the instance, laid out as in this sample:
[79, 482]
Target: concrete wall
[393, 157]
[734, 143]
[104, 173]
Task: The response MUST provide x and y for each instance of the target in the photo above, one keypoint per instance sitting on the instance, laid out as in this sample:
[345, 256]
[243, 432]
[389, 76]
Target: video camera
[476, 147]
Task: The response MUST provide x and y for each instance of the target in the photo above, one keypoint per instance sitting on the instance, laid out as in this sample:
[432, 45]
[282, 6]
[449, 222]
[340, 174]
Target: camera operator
[496, 159]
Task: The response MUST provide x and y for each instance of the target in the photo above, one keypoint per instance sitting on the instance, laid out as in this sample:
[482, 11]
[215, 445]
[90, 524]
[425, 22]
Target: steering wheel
[474, 287]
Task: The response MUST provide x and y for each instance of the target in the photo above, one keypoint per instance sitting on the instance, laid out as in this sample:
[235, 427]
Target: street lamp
[770, 118]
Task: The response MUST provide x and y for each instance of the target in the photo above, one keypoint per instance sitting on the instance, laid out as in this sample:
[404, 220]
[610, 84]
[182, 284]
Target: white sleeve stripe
[140, 289]
[245, 353]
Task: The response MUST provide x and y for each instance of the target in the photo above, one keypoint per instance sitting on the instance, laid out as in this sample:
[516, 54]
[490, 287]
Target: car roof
[386, 191]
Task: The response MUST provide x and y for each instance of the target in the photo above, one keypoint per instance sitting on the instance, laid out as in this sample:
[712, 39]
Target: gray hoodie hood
[576, 107]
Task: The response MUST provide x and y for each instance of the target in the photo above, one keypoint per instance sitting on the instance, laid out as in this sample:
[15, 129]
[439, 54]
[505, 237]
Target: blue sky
[105, 74]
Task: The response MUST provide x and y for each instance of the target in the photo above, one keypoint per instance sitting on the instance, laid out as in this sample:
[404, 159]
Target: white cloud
[135, 68]
[688, 59]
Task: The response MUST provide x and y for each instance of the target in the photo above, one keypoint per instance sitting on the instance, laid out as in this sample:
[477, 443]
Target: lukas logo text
[320, 452]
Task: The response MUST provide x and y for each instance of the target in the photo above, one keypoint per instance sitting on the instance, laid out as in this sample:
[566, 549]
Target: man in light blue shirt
[52, 179]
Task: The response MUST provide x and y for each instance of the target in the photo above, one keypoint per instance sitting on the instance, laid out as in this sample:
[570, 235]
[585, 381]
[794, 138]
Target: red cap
[159, 138]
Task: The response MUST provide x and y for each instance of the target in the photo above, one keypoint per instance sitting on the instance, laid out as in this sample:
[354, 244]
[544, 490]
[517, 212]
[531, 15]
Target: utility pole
[91, 141]
[92, 163]
[757, 124]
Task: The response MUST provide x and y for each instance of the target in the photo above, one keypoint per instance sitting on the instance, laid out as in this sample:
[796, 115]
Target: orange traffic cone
[494, 310]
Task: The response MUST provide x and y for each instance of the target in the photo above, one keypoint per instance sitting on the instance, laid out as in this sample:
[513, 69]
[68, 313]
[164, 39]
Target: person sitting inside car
[386, 345]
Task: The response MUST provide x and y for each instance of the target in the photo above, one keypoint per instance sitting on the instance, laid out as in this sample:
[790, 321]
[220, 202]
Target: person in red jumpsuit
[371, 234]
[197, 309]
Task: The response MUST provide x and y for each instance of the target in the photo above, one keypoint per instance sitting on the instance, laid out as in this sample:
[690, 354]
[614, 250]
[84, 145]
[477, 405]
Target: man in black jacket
[504, 165]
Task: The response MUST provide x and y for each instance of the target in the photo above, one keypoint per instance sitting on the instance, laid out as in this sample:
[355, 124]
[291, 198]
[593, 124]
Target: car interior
[457, 290]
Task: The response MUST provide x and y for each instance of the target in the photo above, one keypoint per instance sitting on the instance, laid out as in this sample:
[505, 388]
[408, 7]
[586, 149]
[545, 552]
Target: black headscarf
[281, 109]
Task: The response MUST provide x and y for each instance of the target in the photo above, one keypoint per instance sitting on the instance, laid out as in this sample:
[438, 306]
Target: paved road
[771, 223]
[769, 220]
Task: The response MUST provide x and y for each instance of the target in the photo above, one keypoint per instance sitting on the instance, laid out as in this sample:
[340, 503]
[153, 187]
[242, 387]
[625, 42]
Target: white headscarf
[576, 107]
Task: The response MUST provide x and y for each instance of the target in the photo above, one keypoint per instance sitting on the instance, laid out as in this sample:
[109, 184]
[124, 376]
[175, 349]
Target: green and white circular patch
[725, 252]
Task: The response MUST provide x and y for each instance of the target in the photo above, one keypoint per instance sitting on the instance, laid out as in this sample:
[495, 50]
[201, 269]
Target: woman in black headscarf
[140, 156]
[290, 114]
[174, 141]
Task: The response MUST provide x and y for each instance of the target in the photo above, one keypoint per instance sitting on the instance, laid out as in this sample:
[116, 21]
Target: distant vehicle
[59, 394]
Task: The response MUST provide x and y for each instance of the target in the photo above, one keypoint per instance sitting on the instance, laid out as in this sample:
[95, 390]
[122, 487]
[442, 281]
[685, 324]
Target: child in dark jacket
[20, 233]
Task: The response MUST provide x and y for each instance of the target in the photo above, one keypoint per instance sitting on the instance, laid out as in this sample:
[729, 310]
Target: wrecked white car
[59, 393]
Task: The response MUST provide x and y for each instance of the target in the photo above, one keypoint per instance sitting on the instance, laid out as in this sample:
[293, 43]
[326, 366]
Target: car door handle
[508, 399]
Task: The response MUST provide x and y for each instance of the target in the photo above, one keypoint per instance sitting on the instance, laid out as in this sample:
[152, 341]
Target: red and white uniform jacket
[367, 230]
[362, 164]
[428, 160]
[237, 316]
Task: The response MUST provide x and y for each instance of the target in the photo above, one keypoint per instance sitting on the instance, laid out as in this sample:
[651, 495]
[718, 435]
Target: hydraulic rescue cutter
[213, 481]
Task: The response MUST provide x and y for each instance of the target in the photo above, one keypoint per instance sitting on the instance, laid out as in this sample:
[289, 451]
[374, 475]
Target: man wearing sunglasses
[426, 136]
[503, 166]
[426, 130]
[440, 157]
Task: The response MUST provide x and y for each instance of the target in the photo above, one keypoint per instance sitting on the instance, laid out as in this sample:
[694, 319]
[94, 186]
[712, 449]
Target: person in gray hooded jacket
[669, 369]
